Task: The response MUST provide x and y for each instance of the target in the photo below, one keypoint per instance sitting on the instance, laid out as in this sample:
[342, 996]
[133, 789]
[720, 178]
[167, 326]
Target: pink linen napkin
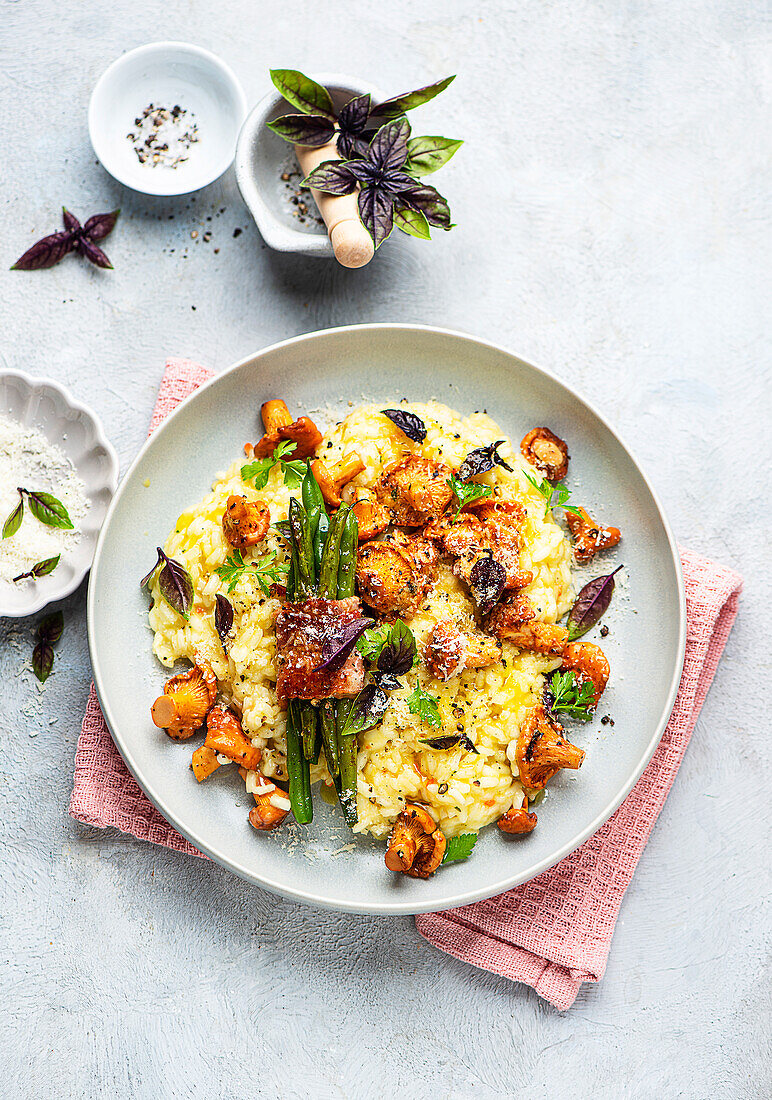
[552, 933]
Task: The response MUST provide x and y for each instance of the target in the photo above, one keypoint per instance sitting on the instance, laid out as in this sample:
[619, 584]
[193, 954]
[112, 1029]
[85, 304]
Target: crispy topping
[492, 529]
[394, 575]
[279, 426]
[518, 820]
[449, 650]
[245, 523]
[416, 845]
[547, 452]
[590, 536]
[542, 750]
[331, 480]
[303, 632]
[225, 735]
[186, 701]
[372, 517]
[587, 662]
[415, 490]
[513, 621]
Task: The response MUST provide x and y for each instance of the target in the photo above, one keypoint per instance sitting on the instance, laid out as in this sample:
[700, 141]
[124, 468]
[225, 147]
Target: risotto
[461, 764]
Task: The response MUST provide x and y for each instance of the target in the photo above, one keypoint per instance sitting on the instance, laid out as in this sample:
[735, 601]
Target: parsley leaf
[465, 492]
[556, 496]
[266, 570]
[459, 847]
[260, 470]
[425, 706]
[569, 697]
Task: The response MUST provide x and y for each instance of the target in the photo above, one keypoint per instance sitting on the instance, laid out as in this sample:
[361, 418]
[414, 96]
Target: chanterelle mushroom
[372, 517]
[280, 426]
[224, 734]
[186, 701]
[547, 452]
[416, 845]
[245, 523]
[518, 820]
[415, 490]
[542, 750]
[590, 536]
[332, 479]
[271, 804]
[587, 662]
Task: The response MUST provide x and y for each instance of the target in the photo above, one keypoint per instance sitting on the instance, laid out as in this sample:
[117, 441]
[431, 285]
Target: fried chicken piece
[518, 820]
[449, 650]
[547, 452]
[590, 536]
[494, 529]
[245, 523]
[587, 662]
[394, 575]
[417, 844]
[542, 750]
[415, 490]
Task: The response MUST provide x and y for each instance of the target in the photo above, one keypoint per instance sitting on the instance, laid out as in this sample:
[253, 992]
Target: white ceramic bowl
[167, 73]
[42, 404]
[262, 156]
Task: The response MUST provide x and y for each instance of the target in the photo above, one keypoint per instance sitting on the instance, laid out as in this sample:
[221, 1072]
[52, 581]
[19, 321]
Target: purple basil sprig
[335, 650]
[482, 459]
[75, 238]
[590, 605]
[388, 195]
[174, 582]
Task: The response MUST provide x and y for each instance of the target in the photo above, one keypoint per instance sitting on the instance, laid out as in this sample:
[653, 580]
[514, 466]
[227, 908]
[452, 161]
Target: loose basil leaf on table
[42, 661]
[51, 627]
[590, 605]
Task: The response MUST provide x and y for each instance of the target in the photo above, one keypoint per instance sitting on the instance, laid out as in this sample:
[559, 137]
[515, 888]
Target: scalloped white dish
[46, 406]
[323, 863]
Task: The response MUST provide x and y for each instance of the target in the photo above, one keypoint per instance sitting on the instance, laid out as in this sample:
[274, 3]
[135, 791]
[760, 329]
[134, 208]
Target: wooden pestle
[351, 243]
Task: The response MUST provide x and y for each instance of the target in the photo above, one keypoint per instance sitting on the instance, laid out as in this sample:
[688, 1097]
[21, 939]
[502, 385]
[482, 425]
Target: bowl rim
[162, 48]
[277, 235]
[101, 440]
[397, 907]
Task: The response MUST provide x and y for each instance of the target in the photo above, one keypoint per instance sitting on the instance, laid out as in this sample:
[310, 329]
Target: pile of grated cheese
[27, 459]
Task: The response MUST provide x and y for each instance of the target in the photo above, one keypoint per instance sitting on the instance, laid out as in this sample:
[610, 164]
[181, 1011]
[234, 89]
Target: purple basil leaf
[480, 460]
[376, 209]
[352, 117]
[333, 177]
[398, 104]
[487, 581]
[590, 605]
[71, 223]
[363, 171]
[42, 661]
[449, 742]
[93, 253]
[351, 146]
[50, 628]
[100, 225]
[304, 129]
[388, 149]
[176, 585]
[366, 711]
[335, 651]
[388, 681]
[398, 655]
[13, 523]
[46, 252]
[430, 202]
[396, 182]
[412, 425]
[49, 510]
[40, 569]
[223, 616]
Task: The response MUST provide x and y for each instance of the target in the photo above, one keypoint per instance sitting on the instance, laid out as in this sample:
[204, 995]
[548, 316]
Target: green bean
[310, 491]
[297, 769]
[329, 737]
[320, 539]
[314, 516]
[328, 571]
[347, 745]
[347, 794]
[308, 725]
[303, 549]
[347, 565]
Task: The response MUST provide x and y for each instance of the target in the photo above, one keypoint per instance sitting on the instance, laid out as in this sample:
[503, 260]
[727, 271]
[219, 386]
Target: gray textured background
[611, 226]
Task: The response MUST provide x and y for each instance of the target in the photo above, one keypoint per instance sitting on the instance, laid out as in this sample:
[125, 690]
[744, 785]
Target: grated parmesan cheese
[27, 459]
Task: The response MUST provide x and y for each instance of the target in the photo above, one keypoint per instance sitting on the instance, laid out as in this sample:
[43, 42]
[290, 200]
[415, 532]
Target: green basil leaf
[427, 154]
[313, 130]
[302, 92]
[397, 105]
[13, 523]
[411, 222]
[48, 510]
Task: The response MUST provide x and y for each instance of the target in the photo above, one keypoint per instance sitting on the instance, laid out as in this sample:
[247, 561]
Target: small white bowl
[166, 74]
[262, 156]
[46, 406]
